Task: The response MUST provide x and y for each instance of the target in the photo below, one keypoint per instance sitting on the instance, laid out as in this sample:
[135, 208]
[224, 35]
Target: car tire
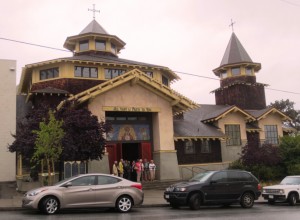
[292, 199]
[195, 201]
[247, 200]
[271, 201]
[174, 205]
[50, 205]
[124, 204]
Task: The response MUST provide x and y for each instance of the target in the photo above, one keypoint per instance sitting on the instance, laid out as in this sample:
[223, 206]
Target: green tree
[48, 143]
[287, 107]
[290, 150]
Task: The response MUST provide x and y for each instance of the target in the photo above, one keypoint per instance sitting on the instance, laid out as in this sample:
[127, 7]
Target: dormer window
[236, 71]
[100, 45]
[165, 80]
[149, 73]
[248, 71]
[113, 48]
[84, 45]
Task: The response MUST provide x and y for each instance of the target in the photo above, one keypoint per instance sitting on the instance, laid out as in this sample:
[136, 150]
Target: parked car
[287, 191]
[215, 187]
[86, 191]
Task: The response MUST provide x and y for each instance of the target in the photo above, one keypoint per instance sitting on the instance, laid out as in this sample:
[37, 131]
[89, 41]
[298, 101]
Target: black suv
[215, 187]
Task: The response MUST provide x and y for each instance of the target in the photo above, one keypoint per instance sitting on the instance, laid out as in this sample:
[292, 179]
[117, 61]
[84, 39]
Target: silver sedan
[86, 191]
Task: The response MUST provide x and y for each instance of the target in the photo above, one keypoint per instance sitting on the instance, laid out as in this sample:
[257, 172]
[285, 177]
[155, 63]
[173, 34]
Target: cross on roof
[231, 24]
[94, 10]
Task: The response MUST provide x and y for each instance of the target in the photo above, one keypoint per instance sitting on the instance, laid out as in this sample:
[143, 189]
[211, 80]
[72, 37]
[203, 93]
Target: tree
[290, 150]
[287, 107]
[48, 143]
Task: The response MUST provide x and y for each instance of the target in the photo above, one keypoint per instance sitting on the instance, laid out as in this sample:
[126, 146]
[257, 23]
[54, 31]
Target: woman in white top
[152, 168]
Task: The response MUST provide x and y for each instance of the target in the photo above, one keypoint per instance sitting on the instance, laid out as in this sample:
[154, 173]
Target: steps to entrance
[158, 184]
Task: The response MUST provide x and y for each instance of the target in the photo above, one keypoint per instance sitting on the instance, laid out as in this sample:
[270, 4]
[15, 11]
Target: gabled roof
[94, 27]
[192, 127]
[219, 111]
[260, 114]
[179, 102]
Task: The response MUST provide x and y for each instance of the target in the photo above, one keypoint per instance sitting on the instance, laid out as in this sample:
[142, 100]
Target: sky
[188, 36]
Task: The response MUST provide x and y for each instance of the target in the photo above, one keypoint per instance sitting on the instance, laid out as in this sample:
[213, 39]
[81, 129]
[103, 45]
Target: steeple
[238, 84]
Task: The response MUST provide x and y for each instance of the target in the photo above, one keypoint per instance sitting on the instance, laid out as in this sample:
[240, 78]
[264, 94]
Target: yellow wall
[271, 119]
[137, 96]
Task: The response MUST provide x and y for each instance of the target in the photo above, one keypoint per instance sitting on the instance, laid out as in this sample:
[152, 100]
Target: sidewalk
[152, 198]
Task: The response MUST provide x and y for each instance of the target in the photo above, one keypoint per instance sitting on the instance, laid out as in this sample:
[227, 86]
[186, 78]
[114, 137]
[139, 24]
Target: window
[112, 73]
[235, 71]
[219, 177]
[189, 147]
[205, 146]
[165, 80]
[83, 45]
[49, 73]
[149, 73]
[223, 75]
[100, 45]
[88, 72]
[113, 48]
[271, 134]
[104, 180]
[84, 181]
[248, 71]
[233, 135]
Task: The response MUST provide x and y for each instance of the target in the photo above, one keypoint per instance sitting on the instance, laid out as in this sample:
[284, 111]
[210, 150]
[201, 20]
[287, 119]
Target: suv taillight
[138, 186]
[259, 187]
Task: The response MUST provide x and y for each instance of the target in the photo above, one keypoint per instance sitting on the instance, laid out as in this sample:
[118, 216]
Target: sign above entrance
[130, 109]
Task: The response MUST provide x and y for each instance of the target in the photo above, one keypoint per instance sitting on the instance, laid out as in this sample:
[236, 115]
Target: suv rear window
[239, 176]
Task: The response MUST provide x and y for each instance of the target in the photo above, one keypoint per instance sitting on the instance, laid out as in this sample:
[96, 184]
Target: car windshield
[201, 177]
[290, 181]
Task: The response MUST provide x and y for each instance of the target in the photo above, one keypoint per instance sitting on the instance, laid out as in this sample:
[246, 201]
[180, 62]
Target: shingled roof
[94, 27]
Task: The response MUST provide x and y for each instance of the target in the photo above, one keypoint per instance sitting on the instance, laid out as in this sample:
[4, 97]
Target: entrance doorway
[131, 151]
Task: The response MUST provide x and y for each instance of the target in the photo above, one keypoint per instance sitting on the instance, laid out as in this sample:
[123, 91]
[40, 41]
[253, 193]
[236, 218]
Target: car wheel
[292, 199]
[195, 202]
[174, 205]
[247, 200]
[124, 204]
[271, 201]
[50, 205]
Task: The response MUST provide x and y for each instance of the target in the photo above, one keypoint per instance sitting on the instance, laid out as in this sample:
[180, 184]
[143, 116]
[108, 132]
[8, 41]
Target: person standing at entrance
[138, 170]
[121, 168]
[152, 168]
[115, 168]
[146, 173]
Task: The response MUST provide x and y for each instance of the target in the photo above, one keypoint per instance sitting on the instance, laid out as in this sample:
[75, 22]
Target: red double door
[128, 151]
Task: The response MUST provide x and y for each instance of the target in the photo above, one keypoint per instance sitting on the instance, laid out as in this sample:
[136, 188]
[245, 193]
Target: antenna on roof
[231, 24]
[94, 10]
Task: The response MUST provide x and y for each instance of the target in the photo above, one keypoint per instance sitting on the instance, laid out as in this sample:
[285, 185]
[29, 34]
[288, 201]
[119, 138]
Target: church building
[149, 119]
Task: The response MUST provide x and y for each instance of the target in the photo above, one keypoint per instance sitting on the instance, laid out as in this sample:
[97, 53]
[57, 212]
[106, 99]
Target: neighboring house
[8, 119]
[149, 119]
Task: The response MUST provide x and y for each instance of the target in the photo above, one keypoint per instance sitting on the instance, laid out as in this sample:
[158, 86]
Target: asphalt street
[261, 211]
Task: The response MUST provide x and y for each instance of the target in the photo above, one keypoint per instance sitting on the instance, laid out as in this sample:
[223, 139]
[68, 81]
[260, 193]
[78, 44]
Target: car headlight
[180, 189]
[264, 191]
[35, 192]
[281, 191]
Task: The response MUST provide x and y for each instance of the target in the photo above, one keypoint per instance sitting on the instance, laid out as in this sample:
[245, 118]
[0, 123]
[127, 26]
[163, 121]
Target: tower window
[223, 75]
[236, 71]
[100, 45]
[87, 72]
[165, 80]
[49, 73]
[248, 71]
[83, 45]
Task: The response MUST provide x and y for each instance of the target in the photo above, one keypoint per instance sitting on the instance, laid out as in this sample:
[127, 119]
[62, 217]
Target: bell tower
[237, 73]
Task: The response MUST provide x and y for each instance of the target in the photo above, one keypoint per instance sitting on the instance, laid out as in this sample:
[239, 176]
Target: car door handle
[91, 189]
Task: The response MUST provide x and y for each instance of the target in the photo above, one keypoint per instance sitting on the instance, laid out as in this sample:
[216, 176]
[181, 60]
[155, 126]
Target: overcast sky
[185, 35]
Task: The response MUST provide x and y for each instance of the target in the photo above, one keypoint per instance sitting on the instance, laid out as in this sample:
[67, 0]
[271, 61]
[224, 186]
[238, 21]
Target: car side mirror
[68, 184]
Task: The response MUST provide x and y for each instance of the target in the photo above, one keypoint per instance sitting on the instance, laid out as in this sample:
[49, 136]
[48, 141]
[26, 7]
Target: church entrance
[131, 151]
